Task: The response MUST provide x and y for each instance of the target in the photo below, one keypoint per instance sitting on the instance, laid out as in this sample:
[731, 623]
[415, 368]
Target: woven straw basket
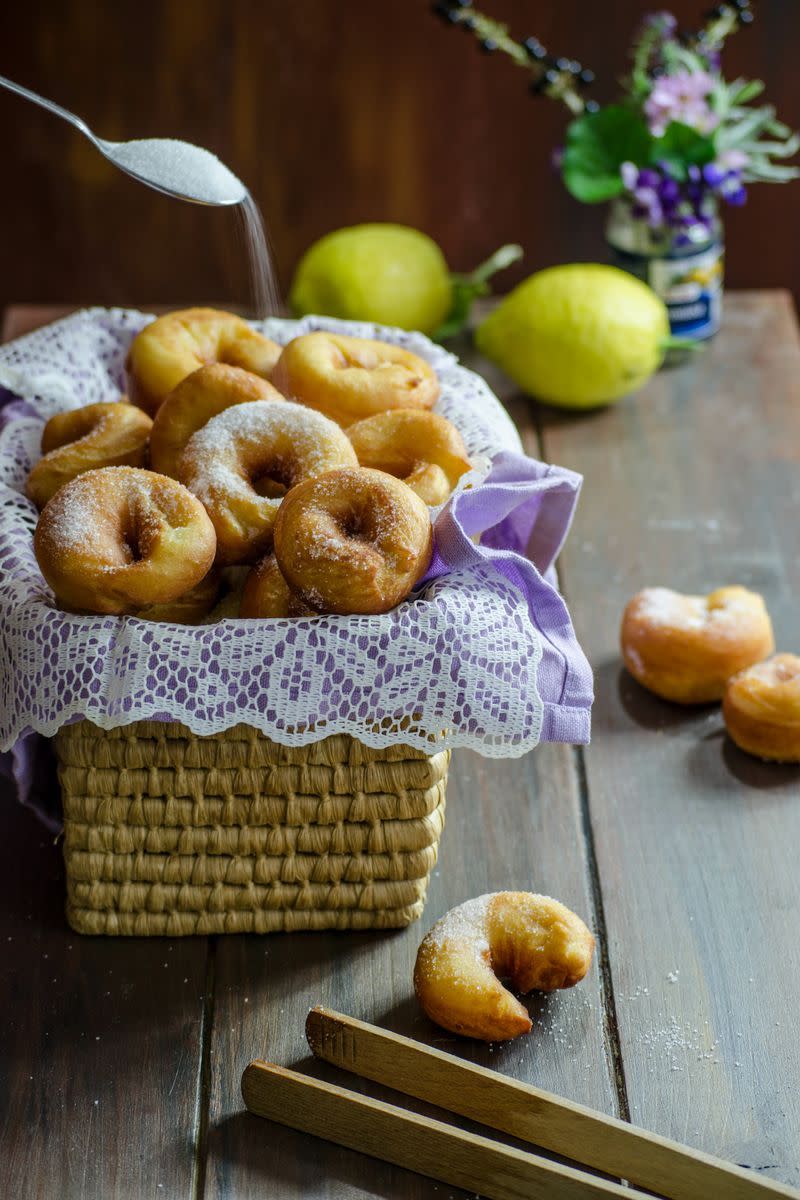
[169, 833]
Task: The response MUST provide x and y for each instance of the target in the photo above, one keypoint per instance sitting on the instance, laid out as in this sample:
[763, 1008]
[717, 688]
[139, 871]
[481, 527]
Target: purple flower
[681, 97]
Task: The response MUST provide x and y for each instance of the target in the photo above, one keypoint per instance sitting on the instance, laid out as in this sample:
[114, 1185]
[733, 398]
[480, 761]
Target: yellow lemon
[577, 336]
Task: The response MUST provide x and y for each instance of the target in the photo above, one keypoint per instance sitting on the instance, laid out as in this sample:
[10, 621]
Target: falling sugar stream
[263, 283]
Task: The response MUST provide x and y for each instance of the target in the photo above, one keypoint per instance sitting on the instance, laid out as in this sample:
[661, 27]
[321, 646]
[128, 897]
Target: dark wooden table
[120, 1059]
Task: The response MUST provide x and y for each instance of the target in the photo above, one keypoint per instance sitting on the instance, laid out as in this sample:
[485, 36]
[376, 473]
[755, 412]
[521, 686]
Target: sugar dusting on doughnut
[686, 648]
[120, 539]
[533, 940]
[264, 439]
[353, 540]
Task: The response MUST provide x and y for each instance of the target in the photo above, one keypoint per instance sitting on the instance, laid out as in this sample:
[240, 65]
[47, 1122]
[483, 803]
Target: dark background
[333, 113]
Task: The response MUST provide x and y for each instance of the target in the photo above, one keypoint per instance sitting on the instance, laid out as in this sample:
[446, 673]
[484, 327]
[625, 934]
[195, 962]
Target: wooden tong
[469, 1160]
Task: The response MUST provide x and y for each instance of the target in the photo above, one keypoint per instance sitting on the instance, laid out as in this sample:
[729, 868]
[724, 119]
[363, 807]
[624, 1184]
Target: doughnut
[202, 395]
[418, 446]
[112, 434]
[350, 378]
[267, 439]
[761, 709]
[532, 941]
[353, 541]
[192, 607]
[267, 594]
[120, 539]
[686, 648]
[173, 346]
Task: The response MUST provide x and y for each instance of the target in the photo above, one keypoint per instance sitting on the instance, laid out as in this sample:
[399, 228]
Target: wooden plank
[691, 484]
[99, 1037]
[511, 824]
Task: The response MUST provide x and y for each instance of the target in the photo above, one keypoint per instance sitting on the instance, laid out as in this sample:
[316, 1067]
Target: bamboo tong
[469, 1160]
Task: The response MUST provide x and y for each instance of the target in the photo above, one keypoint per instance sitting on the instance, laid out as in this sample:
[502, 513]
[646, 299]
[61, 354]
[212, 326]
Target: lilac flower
[734, 160]
[681, 97]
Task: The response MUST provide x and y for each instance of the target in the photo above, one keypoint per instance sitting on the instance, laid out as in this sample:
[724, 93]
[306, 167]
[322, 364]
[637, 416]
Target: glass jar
[685, 269]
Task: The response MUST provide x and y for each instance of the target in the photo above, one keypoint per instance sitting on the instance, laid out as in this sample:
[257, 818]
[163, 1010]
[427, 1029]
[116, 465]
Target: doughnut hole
[243, 461]
[420, 447]
[761, 709]
[178, 343]
[108, 434]
[350, 378]
[353, 541]
[121, 539]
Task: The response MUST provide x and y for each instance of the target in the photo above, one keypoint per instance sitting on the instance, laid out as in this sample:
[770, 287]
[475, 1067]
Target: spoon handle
[48, 104]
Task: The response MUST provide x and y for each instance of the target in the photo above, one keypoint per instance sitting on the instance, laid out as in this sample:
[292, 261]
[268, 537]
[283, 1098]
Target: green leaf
[681, 147]
[748, 91]
[467, 287]
[597, 146]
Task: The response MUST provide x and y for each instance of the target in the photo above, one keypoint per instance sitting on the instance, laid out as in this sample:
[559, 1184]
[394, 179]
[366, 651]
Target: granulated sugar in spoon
[170, 166]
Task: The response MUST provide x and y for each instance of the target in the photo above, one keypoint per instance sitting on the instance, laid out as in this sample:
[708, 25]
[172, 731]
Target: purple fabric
[523, 512]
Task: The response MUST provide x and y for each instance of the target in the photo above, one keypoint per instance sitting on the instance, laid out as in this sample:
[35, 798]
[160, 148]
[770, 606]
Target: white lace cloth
[457, 662]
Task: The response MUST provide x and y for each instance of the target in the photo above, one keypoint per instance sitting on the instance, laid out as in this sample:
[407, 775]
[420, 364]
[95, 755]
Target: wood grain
[692, 484]
[99, 1042]
[384, 115]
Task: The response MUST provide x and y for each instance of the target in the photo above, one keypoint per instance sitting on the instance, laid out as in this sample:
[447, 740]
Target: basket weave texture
[167, 833]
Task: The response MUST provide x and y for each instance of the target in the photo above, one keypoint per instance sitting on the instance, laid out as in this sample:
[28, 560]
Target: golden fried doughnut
[420, 447]
[353, 541]
[267, 594]
[173, 346]
[192, 607]
[120, 539]
[761, 708]
[533, 941]
[350, 378]
[686, 648]
[112, 434]
[202, 395]
[224, 461]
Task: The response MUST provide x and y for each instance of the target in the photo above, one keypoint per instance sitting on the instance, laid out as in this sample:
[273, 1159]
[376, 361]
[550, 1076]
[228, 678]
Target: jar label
[690, 285]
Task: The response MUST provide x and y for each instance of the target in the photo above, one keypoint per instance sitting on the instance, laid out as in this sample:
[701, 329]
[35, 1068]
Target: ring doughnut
[349, 378]
[761, 709]
[112, 434]
[267, 594]
[173, 346]
[121, 539]
[202, 395]
[686, 648]
[533, 941]
[353, 541]
[420, 447]
[224, 461]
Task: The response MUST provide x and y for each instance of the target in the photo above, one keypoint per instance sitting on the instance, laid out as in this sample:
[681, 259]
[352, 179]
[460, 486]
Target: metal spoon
[173, 167]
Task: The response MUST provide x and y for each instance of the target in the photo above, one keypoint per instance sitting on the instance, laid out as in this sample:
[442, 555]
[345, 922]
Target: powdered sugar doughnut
[761, 708]
[112, 434]
[173, 346]
[353, 541]
[420, 447]
[194, 402]
[531, 940]
[120, 539]
[267, 594]
[349, 378]
[225, 460]
[686, 648]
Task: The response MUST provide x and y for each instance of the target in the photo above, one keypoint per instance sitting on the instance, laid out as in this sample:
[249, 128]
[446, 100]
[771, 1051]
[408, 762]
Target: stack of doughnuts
[310, 468]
